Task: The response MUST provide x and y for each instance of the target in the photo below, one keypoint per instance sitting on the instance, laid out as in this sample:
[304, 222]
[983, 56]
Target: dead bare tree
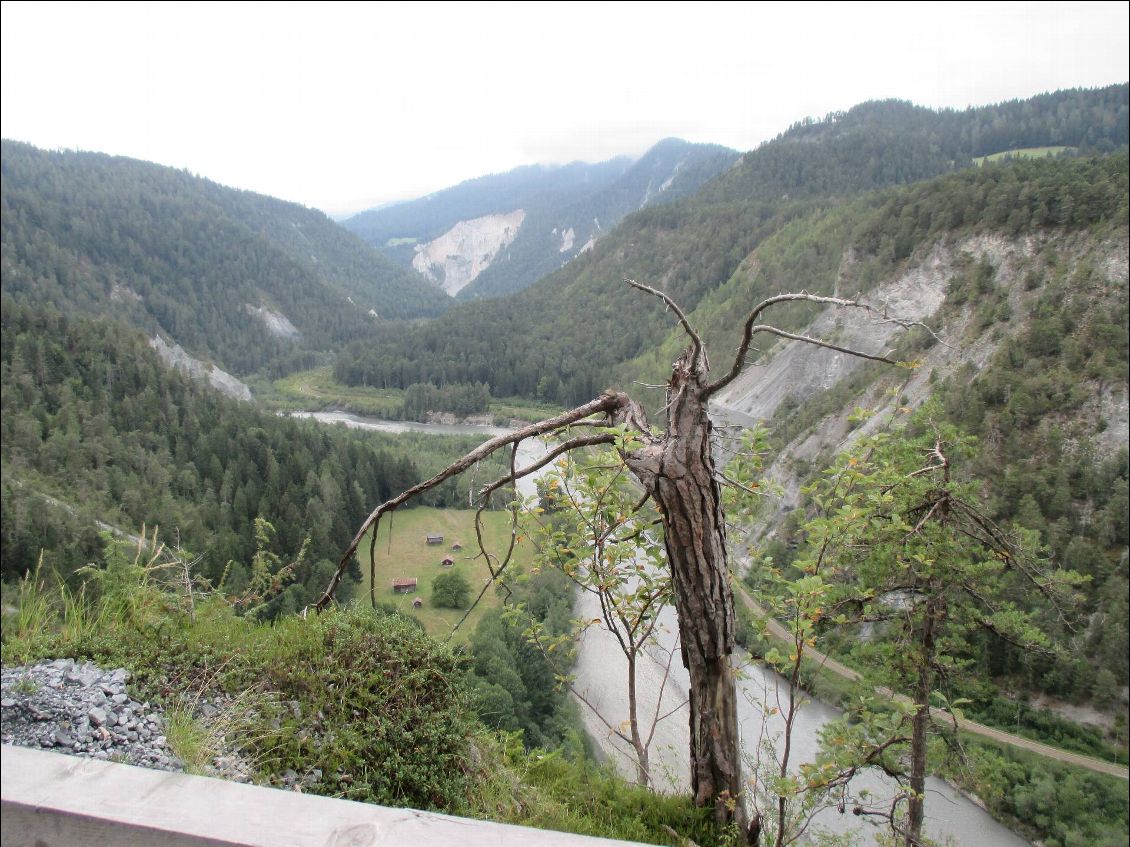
[676, 470]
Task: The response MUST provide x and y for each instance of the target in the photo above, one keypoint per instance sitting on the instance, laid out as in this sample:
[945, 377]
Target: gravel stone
[84, 710]
[65, 706]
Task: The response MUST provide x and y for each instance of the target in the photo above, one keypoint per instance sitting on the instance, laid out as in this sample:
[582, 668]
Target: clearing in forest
[411, 556]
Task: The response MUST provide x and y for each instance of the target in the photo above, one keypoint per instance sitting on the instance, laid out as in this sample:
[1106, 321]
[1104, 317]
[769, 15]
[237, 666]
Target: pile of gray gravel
[82, 710]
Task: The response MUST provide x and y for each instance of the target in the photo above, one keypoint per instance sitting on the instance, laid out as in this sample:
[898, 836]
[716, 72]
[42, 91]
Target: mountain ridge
[563, 210]
[203, 264]
[539, 342]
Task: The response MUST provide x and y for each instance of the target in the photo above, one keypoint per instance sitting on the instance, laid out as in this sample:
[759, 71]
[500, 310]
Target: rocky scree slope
[82, 710]
[794, 373]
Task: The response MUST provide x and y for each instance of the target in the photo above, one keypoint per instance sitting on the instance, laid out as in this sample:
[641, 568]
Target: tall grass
[367, 702]
[33, 612]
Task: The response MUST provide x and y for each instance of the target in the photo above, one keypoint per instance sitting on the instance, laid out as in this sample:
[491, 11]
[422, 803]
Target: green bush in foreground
[358, 704]
[551, 791]
[365, 698]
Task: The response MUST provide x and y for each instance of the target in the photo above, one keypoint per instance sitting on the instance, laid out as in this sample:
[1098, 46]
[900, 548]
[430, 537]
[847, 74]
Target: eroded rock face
[277, 323]
[467, 249]
[796, 371]
[175, 356]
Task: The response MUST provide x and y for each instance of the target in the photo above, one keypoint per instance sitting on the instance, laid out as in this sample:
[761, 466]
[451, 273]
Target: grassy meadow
[1023, 153]
[316, 390]
[409, 555]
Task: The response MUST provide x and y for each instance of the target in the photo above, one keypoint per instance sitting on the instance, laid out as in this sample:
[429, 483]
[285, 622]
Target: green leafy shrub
[1060, 805]
[451, 591]
[375, 703]
[366, 698]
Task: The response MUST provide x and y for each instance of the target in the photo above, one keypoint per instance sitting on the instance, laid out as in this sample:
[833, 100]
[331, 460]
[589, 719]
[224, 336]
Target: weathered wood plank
[52, 800]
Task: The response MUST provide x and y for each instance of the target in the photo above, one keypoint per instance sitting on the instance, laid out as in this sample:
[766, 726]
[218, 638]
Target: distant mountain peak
[564, 207]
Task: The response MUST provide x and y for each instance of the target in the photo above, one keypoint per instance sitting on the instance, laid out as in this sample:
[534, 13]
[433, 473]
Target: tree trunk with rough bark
[677, 469]
[920, 723]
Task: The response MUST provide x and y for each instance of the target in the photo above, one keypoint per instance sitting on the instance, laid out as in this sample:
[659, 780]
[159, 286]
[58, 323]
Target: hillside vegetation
[891, 142]
[181, 256]
[1020, 269]
[1034, 363]
[853, 247]
[558, 340]
[354, 703]
[94, 426]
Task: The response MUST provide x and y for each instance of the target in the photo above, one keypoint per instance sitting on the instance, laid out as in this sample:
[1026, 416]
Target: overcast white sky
[345, 106]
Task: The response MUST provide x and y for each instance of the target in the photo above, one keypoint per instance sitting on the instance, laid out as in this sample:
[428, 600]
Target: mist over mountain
[498, 234]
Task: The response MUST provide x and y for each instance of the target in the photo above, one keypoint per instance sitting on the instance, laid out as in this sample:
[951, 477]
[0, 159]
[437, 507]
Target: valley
[317, 389]
[166, 341]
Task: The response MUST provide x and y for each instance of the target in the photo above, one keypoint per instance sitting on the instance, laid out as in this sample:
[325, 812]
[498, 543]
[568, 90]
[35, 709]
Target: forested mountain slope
[95, 427]
[853, 246]
[497, 234]
[554, 236]
[559, 339]
[252, 282]
[893, 142]
[1021, 273]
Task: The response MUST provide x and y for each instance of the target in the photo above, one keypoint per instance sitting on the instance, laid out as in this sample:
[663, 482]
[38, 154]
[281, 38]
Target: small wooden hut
[406, 585]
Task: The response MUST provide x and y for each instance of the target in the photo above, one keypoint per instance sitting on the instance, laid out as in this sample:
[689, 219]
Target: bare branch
[624, 539]
[752, 328]
[484, 501]
[696, 342]
[602, 421]
[657, 717]
[735, 484]
[929, 469]
[605, 403]
[989, 625]
[772, 330]
[574, 690]
[563, 447]
[512, 478]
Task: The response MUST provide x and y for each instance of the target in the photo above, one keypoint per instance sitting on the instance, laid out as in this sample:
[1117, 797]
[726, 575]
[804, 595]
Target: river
[601, 670]
[600, 673]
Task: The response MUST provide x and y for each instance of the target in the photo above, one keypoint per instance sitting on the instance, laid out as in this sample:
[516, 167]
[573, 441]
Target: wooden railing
[52, 800]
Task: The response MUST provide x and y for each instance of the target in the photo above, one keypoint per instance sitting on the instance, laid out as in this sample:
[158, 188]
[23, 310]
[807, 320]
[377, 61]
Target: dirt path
[840, 669]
